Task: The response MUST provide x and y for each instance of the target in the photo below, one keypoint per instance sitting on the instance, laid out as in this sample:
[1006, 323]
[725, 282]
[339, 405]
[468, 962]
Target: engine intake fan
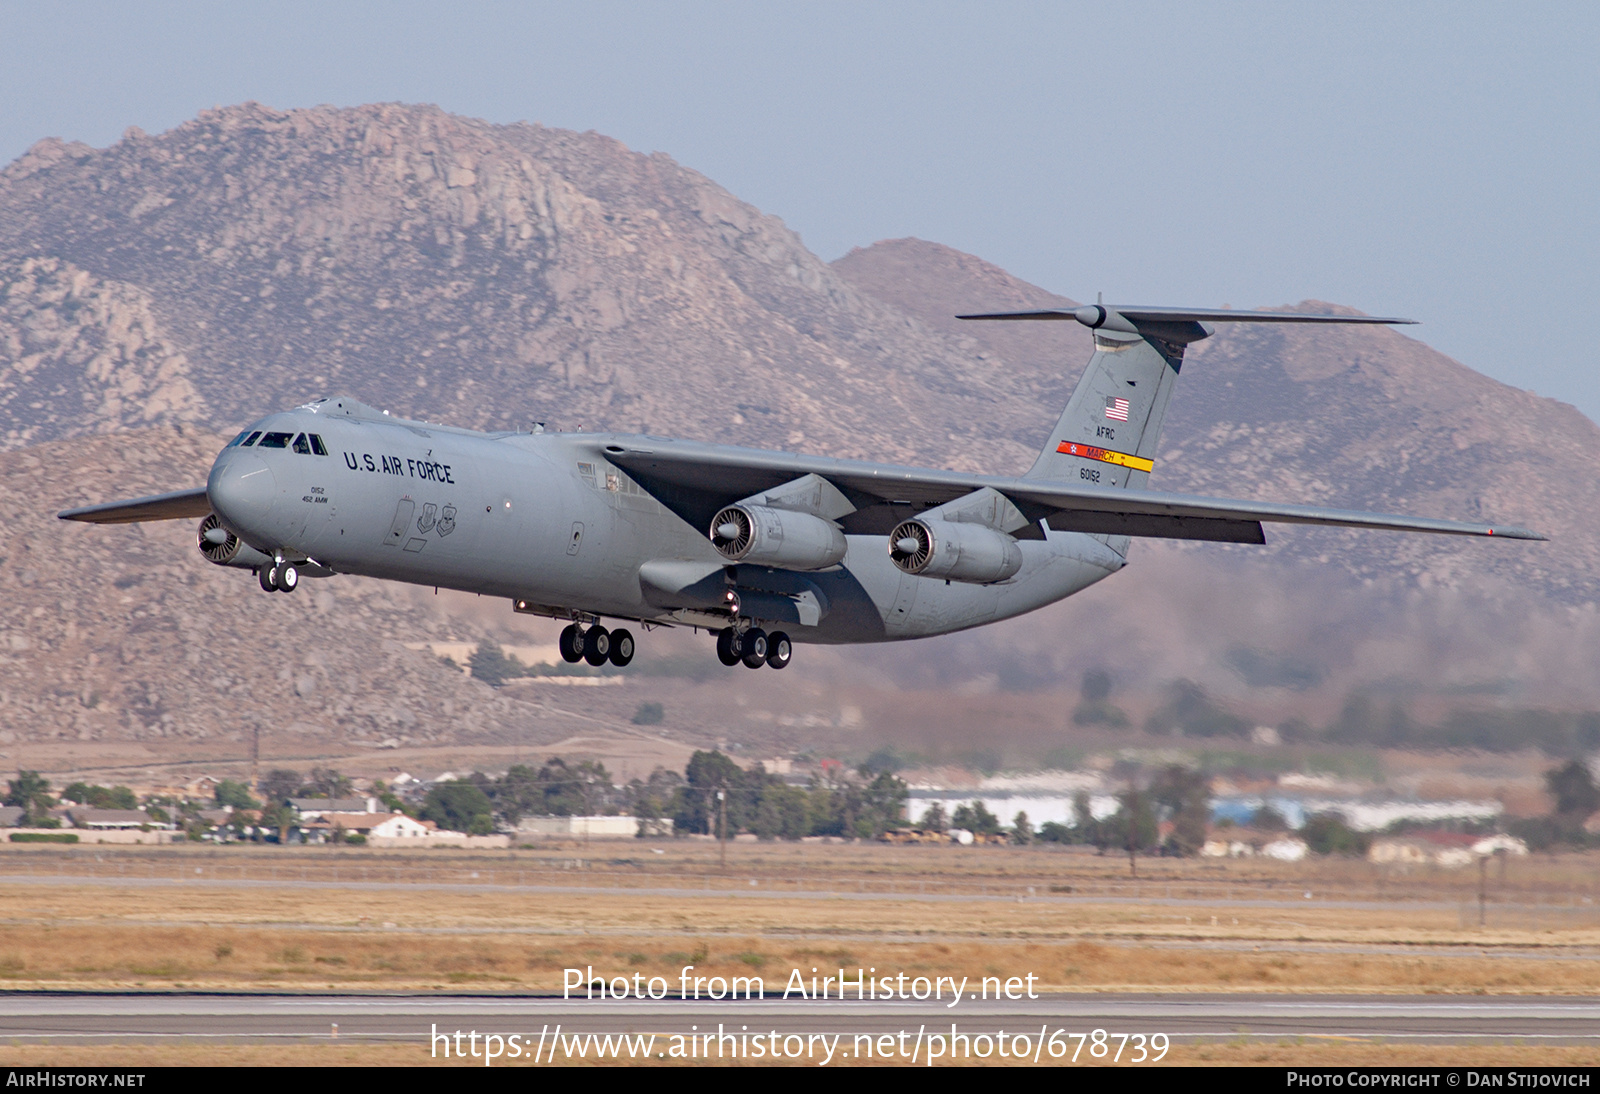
[226, 549]
[954, 550]
[782, 538]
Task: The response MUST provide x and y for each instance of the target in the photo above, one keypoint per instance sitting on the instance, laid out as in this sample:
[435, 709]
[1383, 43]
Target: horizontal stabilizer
[1103, 315]
[174, 506]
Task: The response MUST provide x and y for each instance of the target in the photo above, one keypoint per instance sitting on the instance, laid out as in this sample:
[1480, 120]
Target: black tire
[755, 648]
[265, 577]
[730, 647]
[779, 650]
[288, 579]
[621, 646]
[596, 645]
[571, 643]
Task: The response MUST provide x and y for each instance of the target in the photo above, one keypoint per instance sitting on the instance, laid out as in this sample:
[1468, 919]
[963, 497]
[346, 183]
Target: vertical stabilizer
[1108, 434]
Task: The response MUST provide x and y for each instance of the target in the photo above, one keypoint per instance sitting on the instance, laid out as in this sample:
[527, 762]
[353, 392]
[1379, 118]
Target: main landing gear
[280, 577]
[596, 645]
[754, 648]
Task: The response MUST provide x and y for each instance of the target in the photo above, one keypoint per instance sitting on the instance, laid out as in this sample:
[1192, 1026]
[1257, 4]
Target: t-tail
[1112, 425]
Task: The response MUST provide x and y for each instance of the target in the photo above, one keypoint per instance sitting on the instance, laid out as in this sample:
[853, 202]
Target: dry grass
[147, 933]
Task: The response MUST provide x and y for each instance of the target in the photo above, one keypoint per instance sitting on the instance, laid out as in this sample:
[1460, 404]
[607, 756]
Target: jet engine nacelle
[777, 537]
[956, 551]
[226, 549]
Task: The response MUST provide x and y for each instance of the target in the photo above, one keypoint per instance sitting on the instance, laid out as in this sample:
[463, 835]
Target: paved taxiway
[27, 1016]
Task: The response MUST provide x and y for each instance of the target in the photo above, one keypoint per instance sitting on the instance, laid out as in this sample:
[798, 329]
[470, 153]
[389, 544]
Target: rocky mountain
[447, 269]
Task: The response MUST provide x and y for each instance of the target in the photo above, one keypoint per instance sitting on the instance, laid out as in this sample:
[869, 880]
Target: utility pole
[1483, 889]
[722, 804]
[1133, 830]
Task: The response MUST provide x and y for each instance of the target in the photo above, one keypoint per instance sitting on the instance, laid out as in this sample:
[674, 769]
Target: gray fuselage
[546, 520]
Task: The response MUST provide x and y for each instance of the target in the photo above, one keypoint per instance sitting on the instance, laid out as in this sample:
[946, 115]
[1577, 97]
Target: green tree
[1328, 834]
[30, 792]
[783, 812]
[654, 798]
[490, 664]
[1133, 827]
[1084, 826]
[456, 805]
[1183, 796]
[279, 785]
[935, 819]
[1021, 829]
[976, 819]
[236, 795]
[706, 774]
[325, 782]
[1055, 832]
[883, 806]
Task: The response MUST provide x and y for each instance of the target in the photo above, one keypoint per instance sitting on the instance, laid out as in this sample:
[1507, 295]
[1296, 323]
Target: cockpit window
[250, 440]
[301, 445]
[276, 440]
[316, 445]
[240, 439]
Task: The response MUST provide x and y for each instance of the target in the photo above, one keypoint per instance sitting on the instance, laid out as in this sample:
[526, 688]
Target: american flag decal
[1116, 409]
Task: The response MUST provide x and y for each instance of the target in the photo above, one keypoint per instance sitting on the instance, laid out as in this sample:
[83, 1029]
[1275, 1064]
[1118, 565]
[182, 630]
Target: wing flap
[173, 506]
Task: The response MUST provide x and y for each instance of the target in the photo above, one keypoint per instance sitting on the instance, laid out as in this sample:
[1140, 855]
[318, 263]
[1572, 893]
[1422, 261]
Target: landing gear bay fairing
[764, 549]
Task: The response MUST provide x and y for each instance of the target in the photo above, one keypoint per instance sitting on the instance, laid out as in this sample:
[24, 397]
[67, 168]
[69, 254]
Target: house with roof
[313, 808]
[371, 825]
[112, 819]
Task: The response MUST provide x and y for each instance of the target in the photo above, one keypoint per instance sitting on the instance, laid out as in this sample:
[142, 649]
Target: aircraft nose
[241, 490]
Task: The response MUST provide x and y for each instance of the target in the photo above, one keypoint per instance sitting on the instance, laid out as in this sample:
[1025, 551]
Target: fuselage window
[301, 445]
[317, 445]
[276, 440]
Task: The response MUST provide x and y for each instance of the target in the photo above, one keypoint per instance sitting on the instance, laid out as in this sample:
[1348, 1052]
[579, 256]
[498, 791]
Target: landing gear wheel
[621, 646]
[730, 646]
[596, 645]
[779, 650]
[268, 583]
[571, 643]
[755, 648]
[288, 578]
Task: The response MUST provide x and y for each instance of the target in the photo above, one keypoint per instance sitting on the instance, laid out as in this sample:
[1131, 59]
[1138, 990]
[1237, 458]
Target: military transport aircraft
[762, 548]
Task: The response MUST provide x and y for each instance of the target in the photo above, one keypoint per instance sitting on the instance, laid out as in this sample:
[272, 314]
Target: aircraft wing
[174, 506]
[696, 480]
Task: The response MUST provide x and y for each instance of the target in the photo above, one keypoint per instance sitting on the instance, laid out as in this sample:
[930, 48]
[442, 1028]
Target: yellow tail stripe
[1090, 452]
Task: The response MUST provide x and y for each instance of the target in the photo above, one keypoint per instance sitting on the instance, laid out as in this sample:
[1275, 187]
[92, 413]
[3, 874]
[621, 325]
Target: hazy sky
[1433, 160]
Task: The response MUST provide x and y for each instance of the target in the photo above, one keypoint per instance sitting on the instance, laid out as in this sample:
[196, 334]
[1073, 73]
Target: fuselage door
[402, 521]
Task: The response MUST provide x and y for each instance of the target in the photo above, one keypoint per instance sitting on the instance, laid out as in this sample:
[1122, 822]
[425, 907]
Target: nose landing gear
[280, 577]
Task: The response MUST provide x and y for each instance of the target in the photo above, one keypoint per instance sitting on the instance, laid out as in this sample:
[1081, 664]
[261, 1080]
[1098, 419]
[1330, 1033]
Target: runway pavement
[26, 1017]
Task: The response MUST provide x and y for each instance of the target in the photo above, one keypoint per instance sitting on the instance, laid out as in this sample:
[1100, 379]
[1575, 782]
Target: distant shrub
[1328, 834]
[649, 714]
